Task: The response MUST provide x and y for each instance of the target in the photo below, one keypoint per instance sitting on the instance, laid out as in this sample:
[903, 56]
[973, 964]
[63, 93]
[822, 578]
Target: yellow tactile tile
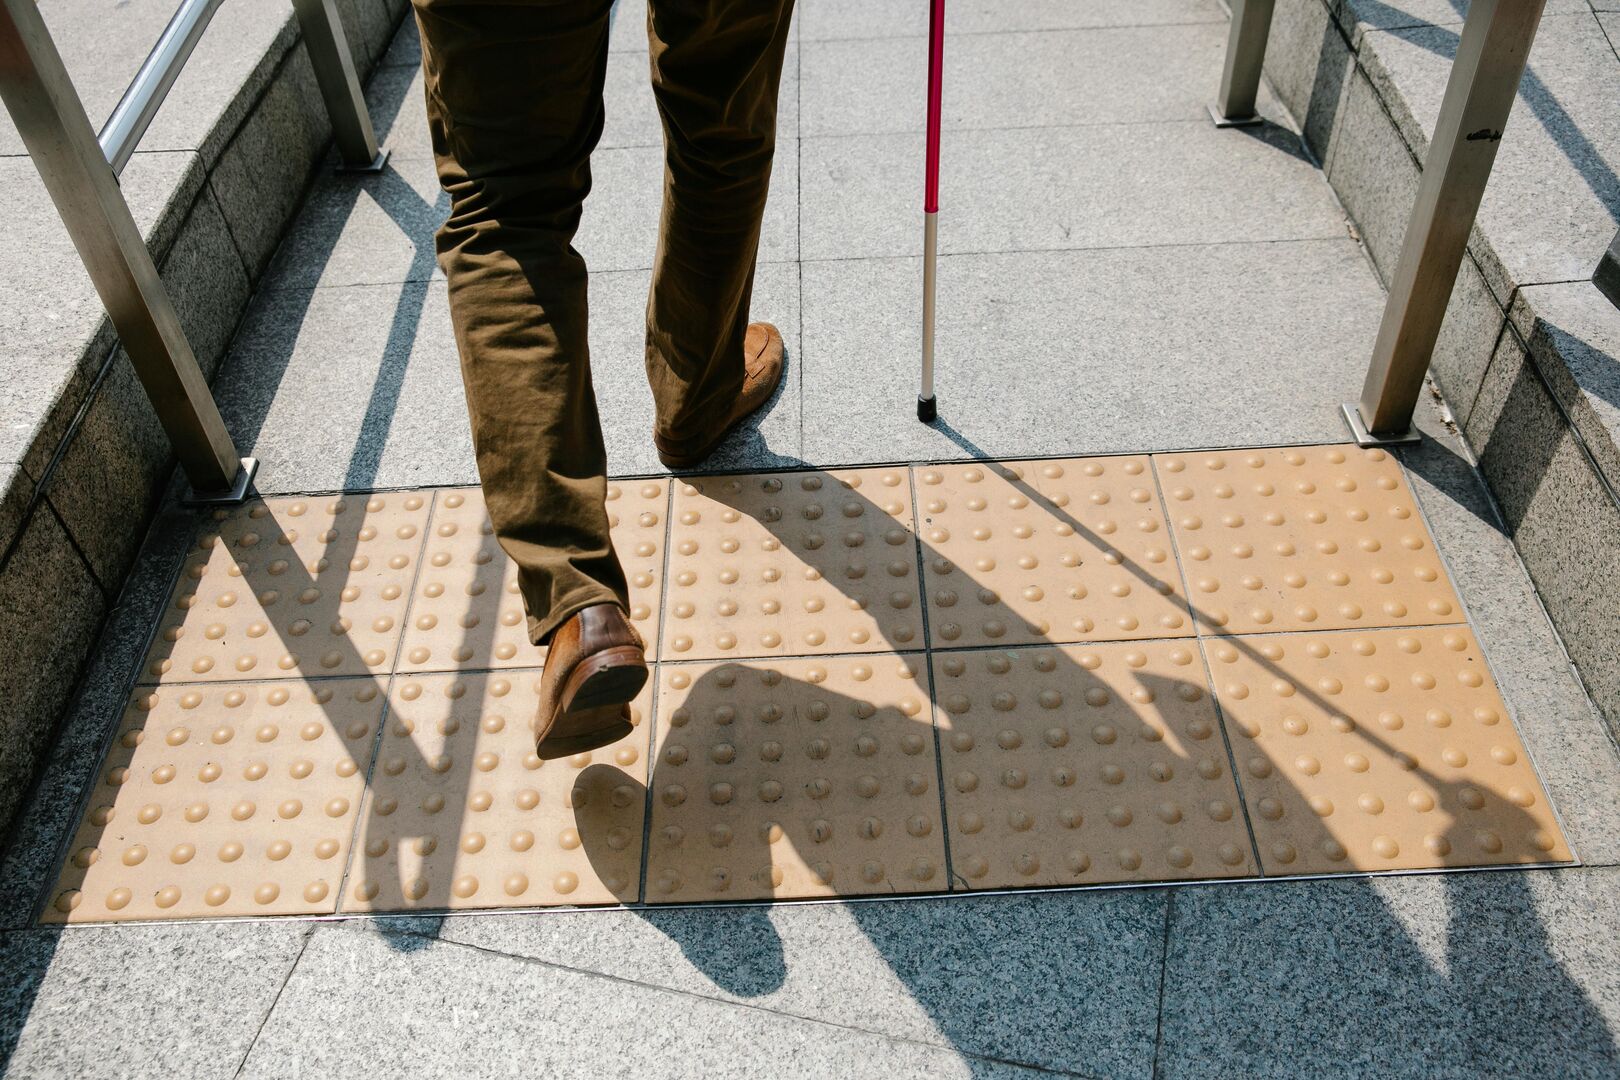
[792, 563]
[467, 612]
[791, 778]
[294, 586]
[1023, 552]
[1379, 750]
[462, 814]
[1303, 538]
[223, 799]
[1086, 764]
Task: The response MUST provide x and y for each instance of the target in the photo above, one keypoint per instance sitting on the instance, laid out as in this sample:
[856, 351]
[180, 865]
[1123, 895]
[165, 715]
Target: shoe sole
[591, 712]
[692, 461]
[603, 726]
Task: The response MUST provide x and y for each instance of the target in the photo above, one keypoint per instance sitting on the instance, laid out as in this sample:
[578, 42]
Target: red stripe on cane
[936, 78]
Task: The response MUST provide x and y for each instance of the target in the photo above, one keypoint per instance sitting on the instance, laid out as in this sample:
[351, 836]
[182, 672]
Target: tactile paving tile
[223, 799]
[792, 564]
[1086, 764]
[792, 778]
[1379, 750]
[467, 612]
[293, 586]
[462, 814]
[1022, 552]
[1303, 538]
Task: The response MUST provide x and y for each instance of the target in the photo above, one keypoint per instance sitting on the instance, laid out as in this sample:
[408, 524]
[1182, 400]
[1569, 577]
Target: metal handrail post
[50, 118]
[1484, 82]
[1607, 275]
[1245, 57]
[140, 103]
[340, 86]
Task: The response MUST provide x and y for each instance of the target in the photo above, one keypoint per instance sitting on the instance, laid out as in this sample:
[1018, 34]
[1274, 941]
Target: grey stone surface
[619, 230]
[261, 174]
[1563, 519]
[1468, 336]
[38, 832]
[1358, 16]
[1574, 332]
[104, 483]
[1192, 183]
[360, 386]
[369, 27]
[376, 1005]
[54, 330]
[1047, 79]
[1059, 352]
[379, 229]
[1374, 173]
[1309, 64]
[16, 494]
[39, 665]
[1563, 732]
[405, 49]
[353, 387]
[396, 102]
[830, 20]
[1498, 974]
[104, 45]
[618, 368]
[139, 1001]
[1554, 198]
[364, 230]
[1068, 982]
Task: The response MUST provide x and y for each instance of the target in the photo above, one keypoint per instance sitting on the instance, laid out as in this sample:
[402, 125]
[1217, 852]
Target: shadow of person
[791, 776]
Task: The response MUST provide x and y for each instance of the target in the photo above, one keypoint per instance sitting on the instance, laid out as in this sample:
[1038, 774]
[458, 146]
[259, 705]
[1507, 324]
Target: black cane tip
[927, 409]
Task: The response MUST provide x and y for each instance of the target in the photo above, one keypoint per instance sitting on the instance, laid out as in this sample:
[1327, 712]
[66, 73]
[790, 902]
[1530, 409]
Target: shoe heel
[609, 678]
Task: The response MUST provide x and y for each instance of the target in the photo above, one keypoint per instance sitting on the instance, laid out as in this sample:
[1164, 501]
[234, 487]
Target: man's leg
[514, 99]
[716, 69]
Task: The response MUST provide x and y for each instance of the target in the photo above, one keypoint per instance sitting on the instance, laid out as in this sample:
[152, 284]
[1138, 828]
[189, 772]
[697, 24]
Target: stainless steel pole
[1484, 81]
[340, 86]
[51, 120]
[140, 103]
[1607, 275]
[1245, 57]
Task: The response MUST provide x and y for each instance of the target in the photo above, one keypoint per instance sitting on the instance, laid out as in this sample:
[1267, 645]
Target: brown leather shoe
[594, 665]
[762, 359]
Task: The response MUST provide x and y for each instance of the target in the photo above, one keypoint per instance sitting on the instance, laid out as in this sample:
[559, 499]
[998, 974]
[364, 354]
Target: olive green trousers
[514, 103]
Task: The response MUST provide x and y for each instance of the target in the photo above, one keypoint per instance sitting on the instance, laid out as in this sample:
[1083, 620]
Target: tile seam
[804, 467]
[1097, 28]
[387, 703]
[655, 674]
[366, 788]
[276, 1000]
[798, 235]
[1164, 964]
[1336, 236]
[933, 686]
[1209, 675]
[1327, 235]
[657, 988]
[341, 917]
